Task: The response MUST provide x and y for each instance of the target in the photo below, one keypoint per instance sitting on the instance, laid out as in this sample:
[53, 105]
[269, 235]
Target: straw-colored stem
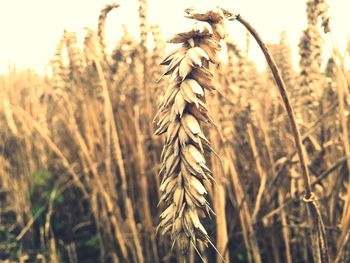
[286, 101]
[320, 247]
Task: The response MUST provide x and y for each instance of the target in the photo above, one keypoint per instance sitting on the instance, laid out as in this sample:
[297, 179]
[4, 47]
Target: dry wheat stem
[310, 198]
[143, 34]
[285, 97]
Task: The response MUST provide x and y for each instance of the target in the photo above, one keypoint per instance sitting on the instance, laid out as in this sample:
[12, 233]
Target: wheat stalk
[185, 175]
[319, 242]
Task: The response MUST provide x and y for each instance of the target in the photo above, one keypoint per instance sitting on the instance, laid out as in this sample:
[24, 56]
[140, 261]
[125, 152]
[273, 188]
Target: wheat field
[178, 150]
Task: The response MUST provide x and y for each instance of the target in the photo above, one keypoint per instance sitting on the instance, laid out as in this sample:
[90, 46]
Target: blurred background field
[79, 160]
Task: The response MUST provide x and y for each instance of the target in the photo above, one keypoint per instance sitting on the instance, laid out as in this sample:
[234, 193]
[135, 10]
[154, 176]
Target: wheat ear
[101, 31]
[185, 175]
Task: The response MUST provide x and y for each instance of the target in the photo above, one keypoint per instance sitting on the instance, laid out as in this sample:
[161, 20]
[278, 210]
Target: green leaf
[92, 241]
[41, 177]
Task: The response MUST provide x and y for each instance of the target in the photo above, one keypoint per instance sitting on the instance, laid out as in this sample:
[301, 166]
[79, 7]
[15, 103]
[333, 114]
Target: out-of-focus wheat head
[237, 65]
[310, 50]
[282, 54]
[126, 58]
[318, 9]
[185, 175]
[75, 57]
[124, 51]
[143, 22]
[156, 57]
[101, 32]
[59, 71]
[329, 95]
[283, 57]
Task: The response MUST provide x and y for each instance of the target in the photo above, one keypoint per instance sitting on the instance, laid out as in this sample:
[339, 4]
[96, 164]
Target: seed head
[182, 111]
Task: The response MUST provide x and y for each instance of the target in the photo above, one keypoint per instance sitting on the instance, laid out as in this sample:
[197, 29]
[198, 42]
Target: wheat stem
[321, 247]
[286, 101]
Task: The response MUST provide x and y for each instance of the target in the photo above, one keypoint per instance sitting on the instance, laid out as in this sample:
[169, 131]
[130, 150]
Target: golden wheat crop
[136, 155]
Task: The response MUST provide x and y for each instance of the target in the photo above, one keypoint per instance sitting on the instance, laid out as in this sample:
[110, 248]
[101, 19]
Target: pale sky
[30, 29]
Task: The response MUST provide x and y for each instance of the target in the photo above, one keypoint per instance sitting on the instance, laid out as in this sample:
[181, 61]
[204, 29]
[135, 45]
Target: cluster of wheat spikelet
[310, 50]
[185, 175]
